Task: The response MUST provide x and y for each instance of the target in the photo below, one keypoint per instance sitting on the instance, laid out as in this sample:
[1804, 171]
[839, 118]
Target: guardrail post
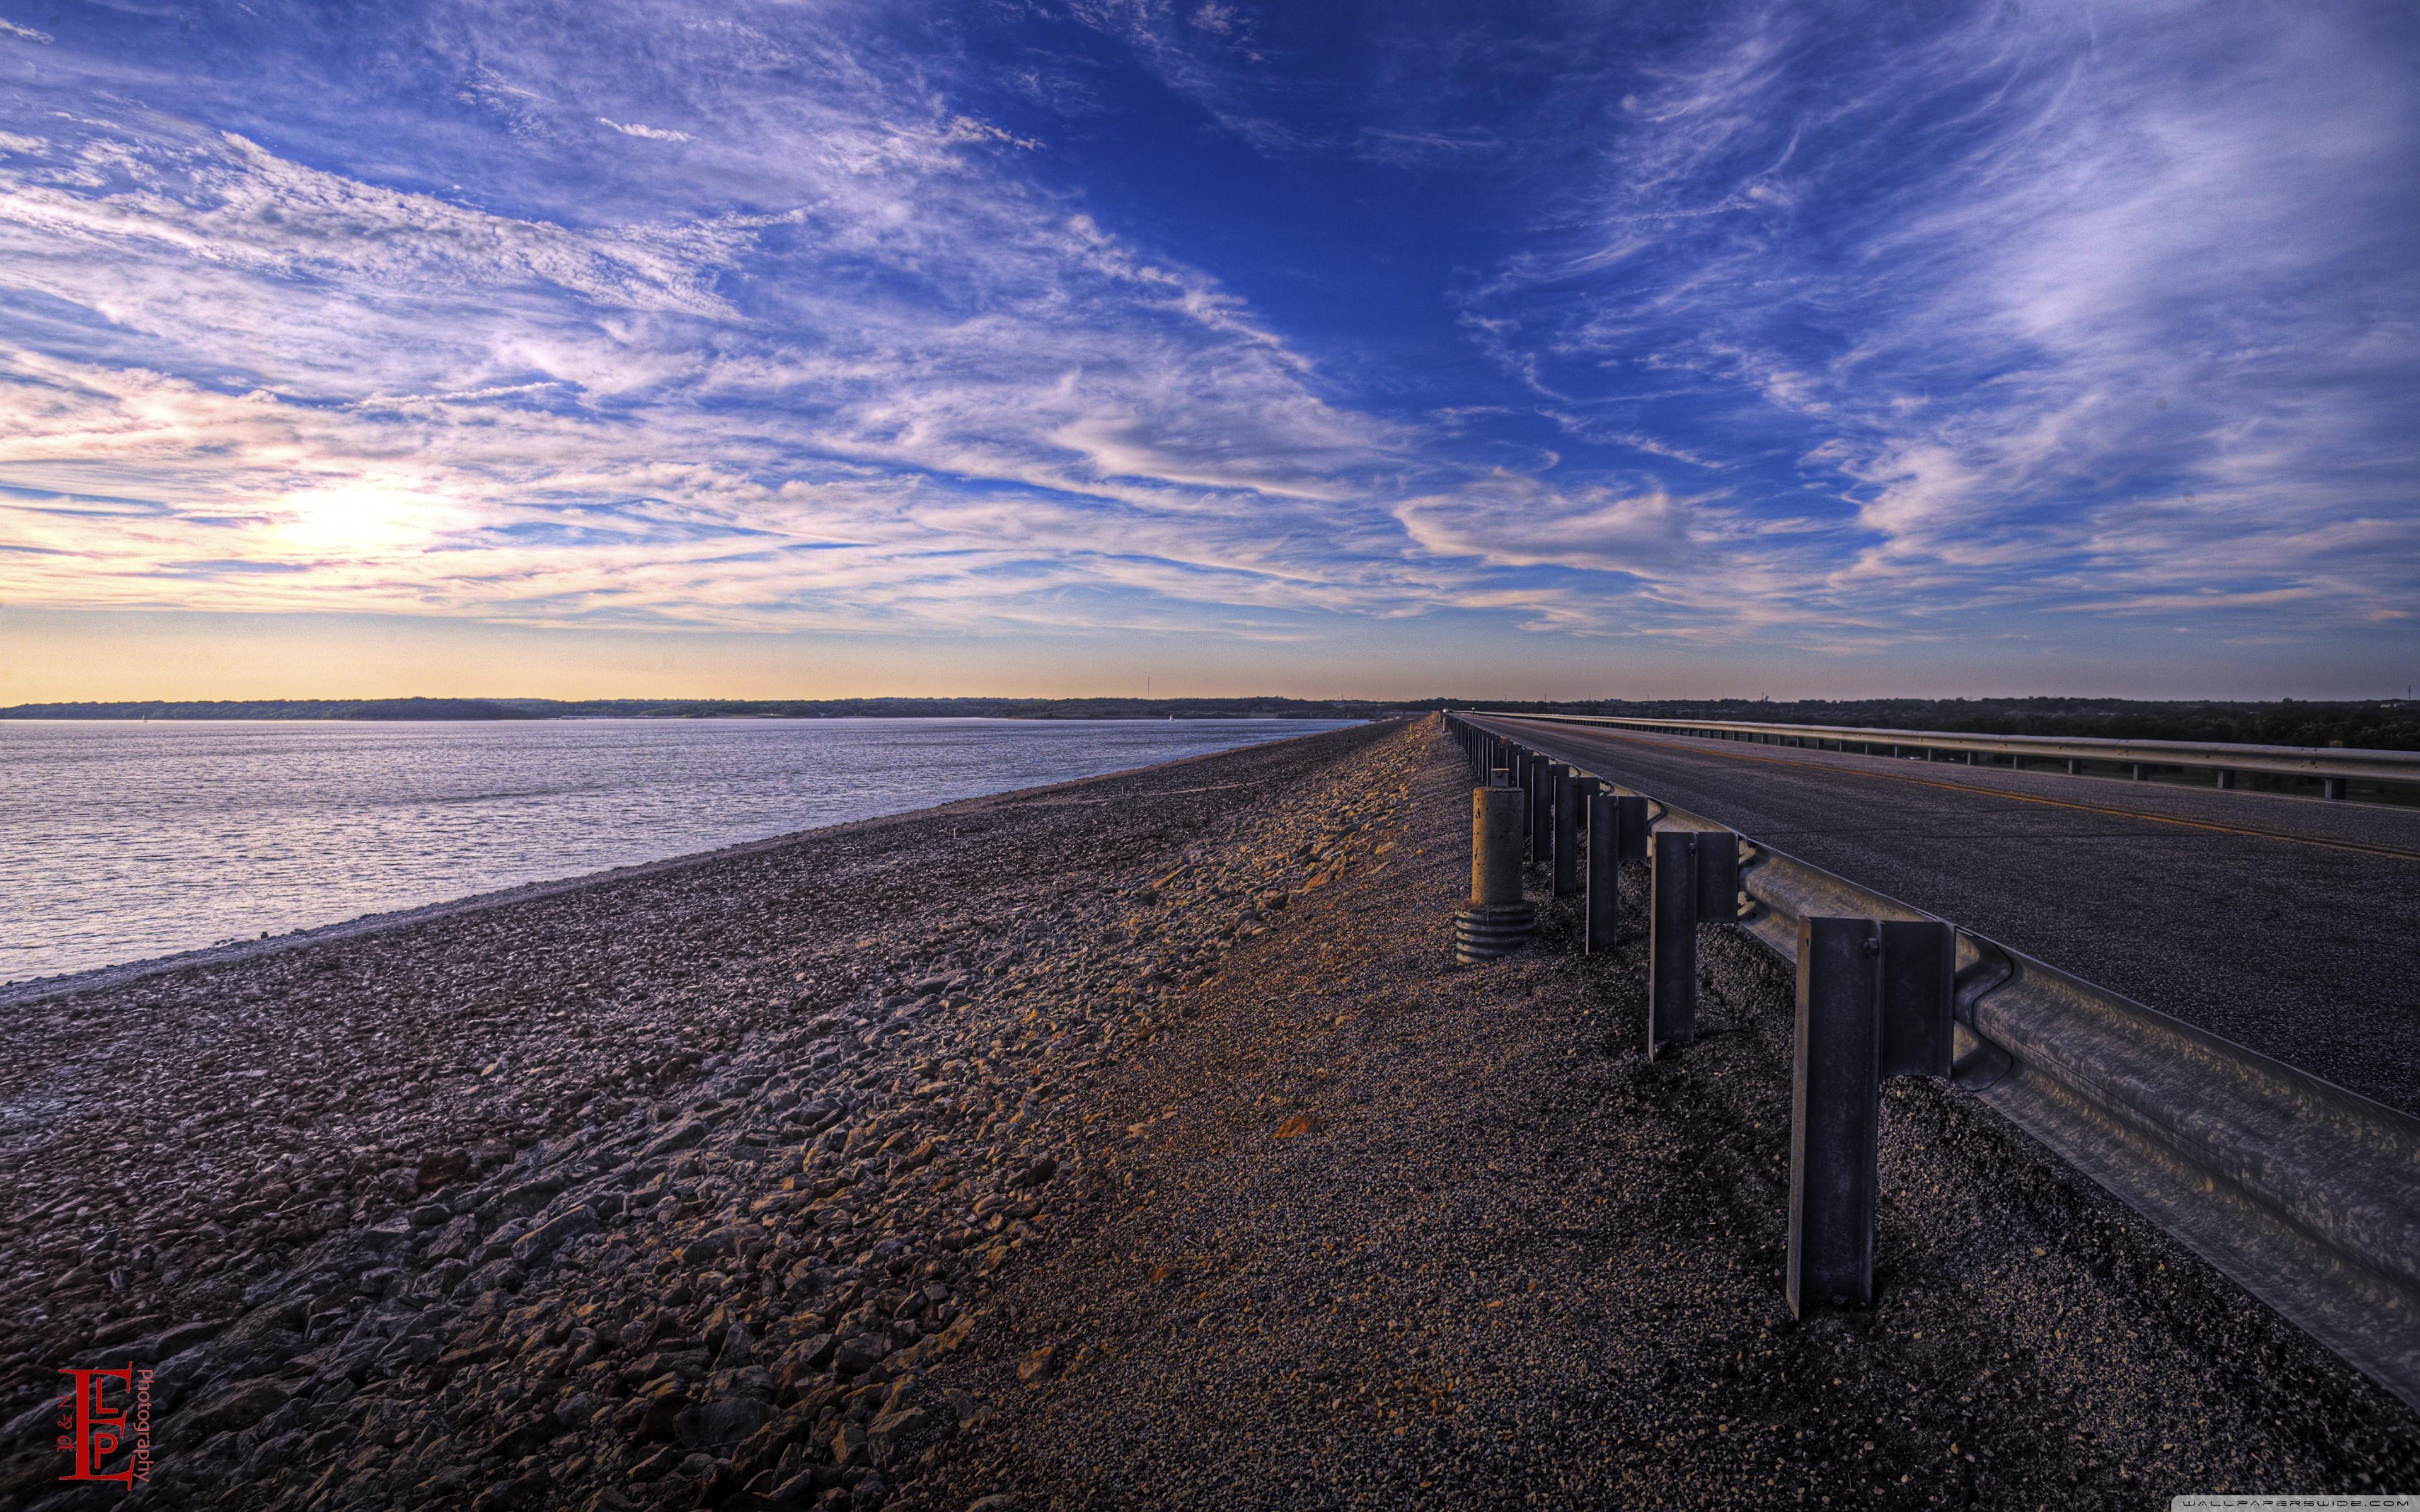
[2075, 766]
[1604, 873]
[1875, 999]
[1835, 1114]
[1672, 942]
[2225, 779]
[1528, 776]
[2332, 787]
[1567, 832]
[1919, 974]
[1542, 812]
[1630, 813]
[1520, 764]
[2138, 771]
[1717, 877]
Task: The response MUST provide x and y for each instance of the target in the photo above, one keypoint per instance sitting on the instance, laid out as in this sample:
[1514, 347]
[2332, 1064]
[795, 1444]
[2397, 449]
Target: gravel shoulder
[1130, 1143]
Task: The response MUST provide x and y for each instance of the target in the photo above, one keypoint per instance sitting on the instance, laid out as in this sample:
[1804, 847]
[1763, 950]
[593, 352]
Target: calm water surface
[120, 841]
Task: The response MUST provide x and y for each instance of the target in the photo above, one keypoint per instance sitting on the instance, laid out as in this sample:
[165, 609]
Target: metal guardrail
[2305, 1194]
[2331, 766]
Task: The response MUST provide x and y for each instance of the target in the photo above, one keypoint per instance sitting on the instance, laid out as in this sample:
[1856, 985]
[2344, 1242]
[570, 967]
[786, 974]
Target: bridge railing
[2333, 768]
[2307, 1194]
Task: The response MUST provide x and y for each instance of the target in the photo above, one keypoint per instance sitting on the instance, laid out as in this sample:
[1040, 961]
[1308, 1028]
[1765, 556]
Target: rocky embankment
[642, 1194]
[1128, 1144]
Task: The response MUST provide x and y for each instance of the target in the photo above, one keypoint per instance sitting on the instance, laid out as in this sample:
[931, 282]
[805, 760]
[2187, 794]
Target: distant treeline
[2385, 724]
[2388, 724]
[417, 708]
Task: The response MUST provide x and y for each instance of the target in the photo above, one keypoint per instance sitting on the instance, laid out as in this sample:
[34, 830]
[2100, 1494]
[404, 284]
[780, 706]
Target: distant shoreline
[428, 709]
[2372, 724]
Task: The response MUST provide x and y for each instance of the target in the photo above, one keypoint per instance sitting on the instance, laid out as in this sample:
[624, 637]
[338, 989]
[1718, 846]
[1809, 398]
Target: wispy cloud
[653, 133]
[2063, 308]
[1736, 319]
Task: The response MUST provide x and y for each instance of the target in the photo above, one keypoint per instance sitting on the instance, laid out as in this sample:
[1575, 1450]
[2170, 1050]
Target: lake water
[121, 840]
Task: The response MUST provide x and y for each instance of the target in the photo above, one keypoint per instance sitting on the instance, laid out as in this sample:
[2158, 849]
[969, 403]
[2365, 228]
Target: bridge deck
[2289, 925]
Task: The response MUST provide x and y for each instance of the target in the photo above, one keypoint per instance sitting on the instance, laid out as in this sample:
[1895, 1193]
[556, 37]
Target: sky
[829, 348]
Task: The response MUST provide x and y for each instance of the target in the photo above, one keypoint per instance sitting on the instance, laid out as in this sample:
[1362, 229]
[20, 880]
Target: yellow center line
[1719, 747]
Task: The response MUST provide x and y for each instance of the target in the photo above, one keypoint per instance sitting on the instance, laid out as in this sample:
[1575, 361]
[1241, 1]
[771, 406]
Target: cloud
[653, 133]
[1842, 327]
[2020, 287]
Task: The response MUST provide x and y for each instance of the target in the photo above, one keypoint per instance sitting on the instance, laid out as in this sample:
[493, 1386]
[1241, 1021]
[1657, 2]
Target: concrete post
[1604, 874]
[1496, 920]
[1495, 847]
[1672, 942]
[1835, 1114]
[1567, 832]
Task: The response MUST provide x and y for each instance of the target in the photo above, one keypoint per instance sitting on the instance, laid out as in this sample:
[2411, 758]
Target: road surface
[2289, 925]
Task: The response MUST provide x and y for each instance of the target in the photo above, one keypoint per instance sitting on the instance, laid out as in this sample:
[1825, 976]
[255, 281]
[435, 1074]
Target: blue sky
[1579, 348]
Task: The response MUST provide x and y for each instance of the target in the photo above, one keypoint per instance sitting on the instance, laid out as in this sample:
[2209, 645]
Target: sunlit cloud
[776, 318]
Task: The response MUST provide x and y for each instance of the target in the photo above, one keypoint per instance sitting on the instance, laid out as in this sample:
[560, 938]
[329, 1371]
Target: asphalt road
[2290, 925]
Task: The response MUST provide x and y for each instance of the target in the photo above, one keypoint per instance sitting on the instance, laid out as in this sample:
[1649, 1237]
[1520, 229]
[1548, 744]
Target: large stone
[847, 1444]
[539, 1245]
[232, 1410]
[739, 1349]
[718, 1427]
[176, 1341]
[886, 1432]
[454, 1242]
[858, 1353]
[813, 1352]
[439, 1168]
[654, 1419]
[688, 1134]
[528, 1197]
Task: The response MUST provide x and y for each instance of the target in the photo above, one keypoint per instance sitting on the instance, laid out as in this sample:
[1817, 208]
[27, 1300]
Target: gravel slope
[1514, 1263]
[561, 1200]
[1124, 1144]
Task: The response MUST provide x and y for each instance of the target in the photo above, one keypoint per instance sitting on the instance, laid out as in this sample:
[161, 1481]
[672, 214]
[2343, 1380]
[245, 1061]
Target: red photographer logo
[98, 1433]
